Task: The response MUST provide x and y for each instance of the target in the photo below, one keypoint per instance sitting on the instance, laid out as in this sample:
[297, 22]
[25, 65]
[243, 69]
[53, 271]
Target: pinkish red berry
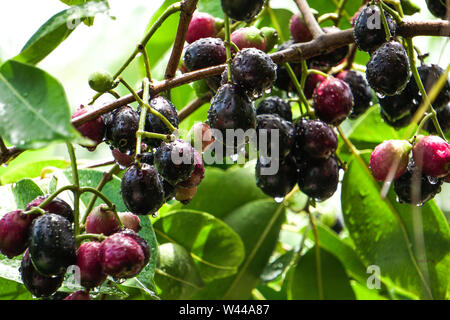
[130, 221]
[57, 206]
[88, 260]
[202, 25]
[78, 295]
[94, 129]
[333, 100]
[101, 220]
[250, 37]
[391, 155]
[123, 159]
[14, 232]
[299, 30]
[432, 155]
[200, 136]
[312, 81]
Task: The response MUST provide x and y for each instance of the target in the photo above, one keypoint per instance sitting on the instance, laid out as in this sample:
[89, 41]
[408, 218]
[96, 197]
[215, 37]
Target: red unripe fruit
[299, 30]
[101, 220]
[121, 256]
[56, 206]
[202, 25]
[197, 175]
[130, 221]
[333, 100]
[123, 159]
[250, 37]
[390, 159]
[185, 195]
[200, 136]
[78, 295]
[94, 129]
[312, 81]
[14, 232]
[432, 155]
[88, 260]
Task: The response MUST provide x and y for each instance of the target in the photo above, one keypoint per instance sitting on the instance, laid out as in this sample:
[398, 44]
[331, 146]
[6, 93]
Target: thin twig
[193, 106]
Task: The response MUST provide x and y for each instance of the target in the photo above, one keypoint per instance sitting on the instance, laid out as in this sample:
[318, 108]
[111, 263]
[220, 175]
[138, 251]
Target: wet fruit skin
[94, 129]
[231, 108]
[197, 175]
[175, 161]
[57, 206]
[142, 190]
[315, 138]
[369, 31]
[387, 154]
[443, 117]
[88, 260]
[254, 70]
[281, 183]
[121, 127]
[312, 81]
[169, 190]
[52, 244]
[140, 241]
[37, 284]
[130, 221]
[78, 295]
[242, 10]
[285, 139]
[102, 221]
[437, 8]
[333, 101]
[123, 159]
[298, 28]
[362, 94]
[14, 229]
[155, 124]
[275, 105]
[121, 256]
[331, 59]
[388, 69]
[249, 37]
[318, 178]
[202, 25]
[432, 155]
[429, 74]
[403, 186]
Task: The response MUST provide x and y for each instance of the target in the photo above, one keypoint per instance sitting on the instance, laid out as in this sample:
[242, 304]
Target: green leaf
[258, 223]
[25, 191]
[57, 29]
[215, 248]
[386, 232]
[145, 277]
[276, 268]
[213, 7]
[33, 107]
[303, 283]
[281, 15]
[31, 169]
[364, 293]
[11, 290]
[176, 274]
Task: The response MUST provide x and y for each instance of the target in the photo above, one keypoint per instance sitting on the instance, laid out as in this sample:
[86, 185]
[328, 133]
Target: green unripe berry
[101, 81]
[271, 36]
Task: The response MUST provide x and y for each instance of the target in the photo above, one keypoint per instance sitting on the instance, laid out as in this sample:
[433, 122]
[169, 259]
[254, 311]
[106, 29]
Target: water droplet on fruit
[433, 180]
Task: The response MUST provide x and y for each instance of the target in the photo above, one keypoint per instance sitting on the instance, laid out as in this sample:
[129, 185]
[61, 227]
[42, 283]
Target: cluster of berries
[49, 247]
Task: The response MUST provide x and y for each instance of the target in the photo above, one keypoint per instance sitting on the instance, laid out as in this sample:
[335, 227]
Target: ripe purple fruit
[14, 229]
[280, 183]
[333, 100]
[362, 94]
[202, 25]
[432, 155]
[242, 10]
[175, 161]
[88, 260]
[438, 8]
[121, 127]
[142, 189]
[102, 220]
[315, 138]
[298, 28]
[388, 69]
[331, 59]
[429, 74]
[443, 117]
[37, 284]
[94, 129]
[273, 124]
[390, 159]
[56, 206]
[369, 32]
[275, 105]
[249, 37]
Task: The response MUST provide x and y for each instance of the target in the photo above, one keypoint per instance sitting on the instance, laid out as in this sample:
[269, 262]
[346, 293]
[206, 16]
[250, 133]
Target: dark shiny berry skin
[121, 256]
[142, 190]
[333, 100]
[88, 260]
[403, 186]
[37, 284]
[312, 81]
[283, 80]
[331, 59]
[443, 119]
[102, 221]
[369, 31]
[242, 10]
[52, 244]
[397, 123]
[285, 141]
[94, 129]
[388, 69]
[57, 206]
[197, 175]
[298, 28]
[280, 183]
[362, 94]
[14, 229]
[148, 158]
[318, 178]
[429, 74]
[169, 190]
[121, 127]
[231, 108]
[275, 105]
[78, 295]
[315, 138]
[254, 70]
[154, 124]
[175, 161]
[438, 8]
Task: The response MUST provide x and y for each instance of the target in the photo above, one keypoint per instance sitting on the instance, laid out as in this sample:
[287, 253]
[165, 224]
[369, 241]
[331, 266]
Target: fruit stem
[328, 16]
[297, 86]
[422, 123]
[228, 47]
[323, 74]
[340, 11]
[152, 135]
[385, 23]
[146, 63]
[142, 117]
[76, 190]
[56, 193]
[393, 13]
[88, 236]
[111, 205]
